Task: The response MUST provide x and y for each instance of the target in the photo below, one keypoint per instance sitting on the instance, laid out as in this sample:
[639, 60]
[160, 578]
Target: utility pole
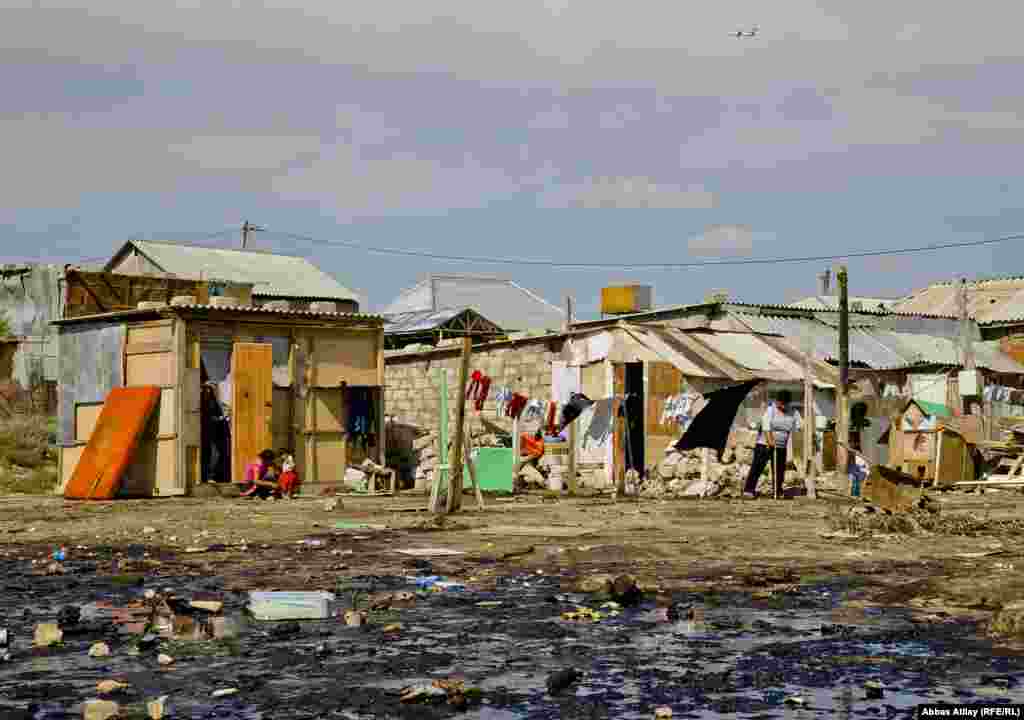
[247, 228]
[843, 397]
[568, 313]
[966, 345]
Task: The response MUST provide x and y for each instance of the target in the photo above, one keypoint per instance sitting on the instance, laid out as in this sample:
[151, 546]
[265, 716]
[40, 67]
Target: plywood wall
[663, 381]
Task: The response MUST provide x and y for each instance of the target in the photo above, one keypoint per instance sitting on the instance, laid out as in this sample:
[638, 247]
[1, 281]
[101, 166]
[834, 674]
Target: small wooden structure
[291, 379]
[927, 442]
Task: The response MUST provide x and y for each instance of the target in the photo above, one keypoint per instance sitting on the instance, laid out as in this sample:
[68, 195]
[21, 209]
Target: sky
[562, 130]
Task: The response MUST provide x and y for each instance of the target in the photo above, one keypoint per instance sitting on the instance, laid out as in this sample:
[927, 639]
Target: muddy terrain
[741, 608]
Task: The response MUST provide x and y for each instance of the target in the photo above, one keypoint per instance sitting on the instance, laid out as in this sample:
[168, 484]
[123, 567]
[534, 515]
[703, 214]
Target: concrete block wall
[411, 393]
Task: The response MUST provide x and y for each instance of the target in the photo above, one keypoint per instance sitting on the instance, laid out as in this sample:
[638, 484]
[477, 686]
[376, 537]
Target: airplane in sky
[745, 33]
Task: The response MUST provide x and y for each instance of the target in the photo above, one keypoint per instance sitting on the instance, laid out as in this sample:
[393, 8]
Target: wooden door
[619, 428]
[663, 381]
[252, 388]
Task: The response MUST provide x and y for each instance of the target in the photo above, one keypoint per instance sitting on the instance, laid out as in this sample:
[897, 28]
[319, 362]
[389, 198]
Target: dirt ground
[965, 569]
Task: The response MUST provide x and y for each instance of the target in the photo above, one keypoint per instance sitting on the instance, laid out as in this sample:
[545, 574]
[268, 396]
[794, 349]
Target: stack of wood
[1006, 454]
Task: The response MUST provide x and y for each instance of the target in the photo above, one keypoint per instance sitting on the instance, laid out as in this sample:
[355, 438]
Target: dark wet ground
[743, 656]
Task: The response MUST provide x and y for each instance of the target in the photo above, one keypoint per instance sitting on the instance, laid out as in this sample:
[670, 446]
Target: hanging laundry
[474, 385]
[534, 410]
[502, 398]
[481, 394]
[601, 423]
[516, 405]
[710, 428]
[361, 416]
[552, 409]
[578, 402]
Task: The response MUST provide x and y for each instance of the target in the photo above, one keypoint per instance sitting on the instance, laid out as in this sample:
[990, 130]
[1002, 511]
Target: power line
[646, 266]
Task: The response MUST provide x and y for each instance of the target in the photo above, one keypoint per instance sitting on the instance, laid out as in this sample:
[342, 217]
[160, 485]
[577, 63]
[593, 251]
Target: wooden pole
[572, 459]
[441, 472]
[515, 452]
[843, 398]
[810, 471]
[455, 475]
[471, 464]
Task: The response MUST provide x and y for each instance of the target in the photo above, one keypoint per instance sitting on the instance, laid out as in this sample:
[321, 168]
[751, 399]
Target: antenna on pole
[247, 228]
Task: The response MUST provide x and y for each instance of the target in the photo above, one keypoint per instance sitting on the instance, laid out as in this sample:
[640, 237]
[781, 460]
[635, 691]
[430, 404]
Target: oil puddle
[731, 655]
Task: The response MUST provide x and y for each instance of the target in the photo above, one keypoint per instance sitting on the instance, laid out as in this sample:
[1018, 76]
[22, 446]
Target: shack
[310, 381]
[926, 441]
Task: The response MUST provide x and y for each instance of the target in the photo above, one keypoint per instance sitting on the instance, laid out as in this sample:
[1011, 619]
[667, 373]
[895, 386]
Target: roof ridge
[194, 246]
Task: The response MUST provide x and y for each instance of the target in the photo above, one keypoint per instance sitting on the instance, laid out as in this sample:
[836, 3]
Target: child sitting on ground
[289, 478]
[261, 477]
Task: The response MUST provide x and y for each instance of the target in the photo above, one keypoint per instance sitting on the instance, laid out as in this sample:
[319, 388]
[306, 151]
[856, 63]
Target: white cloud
[719, 240]
[346, 184]
[243, 152]
[629, 193]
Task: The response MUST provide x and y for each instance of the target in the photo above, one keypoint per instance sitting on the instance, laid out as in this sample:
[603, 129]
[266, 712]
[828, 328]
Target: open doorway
[634, 417]
[215, 432]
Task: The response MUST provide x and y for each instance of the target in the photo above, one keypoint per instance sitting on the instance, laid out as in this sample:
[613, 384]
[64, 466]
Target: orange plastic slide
[126, 413]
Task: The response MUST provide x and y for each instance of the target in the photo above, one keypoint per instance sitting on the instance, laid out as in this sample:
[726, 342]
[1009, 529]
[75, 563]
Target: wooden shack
[287, 377]
[927, 442]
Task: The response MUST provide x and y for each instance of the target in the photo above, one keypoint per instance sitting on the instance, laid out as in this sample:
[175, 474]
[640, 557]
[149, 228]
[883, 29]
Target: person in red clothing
[261, 477]
[531, 450]
[289, 481]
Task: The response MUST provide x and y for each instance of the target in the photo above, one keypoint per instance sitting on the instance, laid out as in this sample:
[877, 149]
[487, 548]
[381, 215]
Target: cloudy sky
[571, 130]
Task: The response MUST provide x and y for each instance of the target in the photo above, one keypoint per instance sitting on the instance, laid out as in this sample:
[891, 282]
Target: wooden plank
[161, 331]
[177, 483]
[151, 370]
[455, 477]
[251, 406]
[86, 417]
[325, 411]
[69, 457]
[148, 348]
[126, 415]
[619, 432]
[331, 458]
[468, 447]
[351, 358]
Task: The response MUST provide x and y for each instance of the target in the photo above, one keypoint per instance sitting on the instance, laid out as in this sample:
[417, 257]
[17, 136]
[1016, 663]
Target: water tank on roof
[626, 299]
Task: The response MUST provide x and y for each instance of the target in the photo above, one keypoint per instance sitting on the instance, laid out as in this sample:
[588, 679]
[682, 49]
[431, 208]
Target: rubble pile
[425, 453]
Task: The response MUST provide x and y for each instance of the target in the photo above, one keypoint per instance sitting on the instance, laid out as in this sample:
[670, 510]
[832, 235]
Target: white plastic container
[290, 605]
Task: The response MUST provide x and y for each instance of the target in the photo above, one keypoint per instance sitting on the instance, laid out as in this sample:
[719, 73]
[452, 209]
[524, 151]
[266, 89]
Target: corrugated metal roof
[426, 320]
[501, 301]
[254, 309]
[876, 348]
[831, 303]
[988, 301]
[271, 274]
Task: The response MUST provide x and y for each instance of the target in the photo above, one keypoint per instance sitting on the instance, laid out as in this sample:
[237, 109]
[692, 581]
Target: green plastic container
[493, 469]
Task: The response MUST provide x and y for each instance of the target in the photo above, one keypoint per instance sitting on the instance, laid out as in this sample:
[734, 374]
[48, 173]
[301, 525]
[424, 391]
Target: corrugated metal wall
[90, 367]
[30, 302]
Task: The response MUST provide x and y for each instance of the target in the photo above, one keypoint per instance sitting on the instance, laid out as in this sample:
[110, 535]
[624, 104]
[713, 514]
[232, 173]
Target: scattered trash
[99, 650]
[196, 549]
[393, 628]
[148, 530]
[425, 582]
[874, 690]
[48, 634]
[100, 710]
[4, 639]
[663, 713]
[311, 543]
[285, 630]
[346, 525]
[489, 603]
[158, 709]
[430, 552]
[164, 659]
[224, 693]
[290, 605]
[55, 568]
[332, 505]
[355, 618]
[207, 605]
[423, 693]
[585, 614]
[562, 679]
[109, 687]
[60, 554]
[149, 594]
[794, 700]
